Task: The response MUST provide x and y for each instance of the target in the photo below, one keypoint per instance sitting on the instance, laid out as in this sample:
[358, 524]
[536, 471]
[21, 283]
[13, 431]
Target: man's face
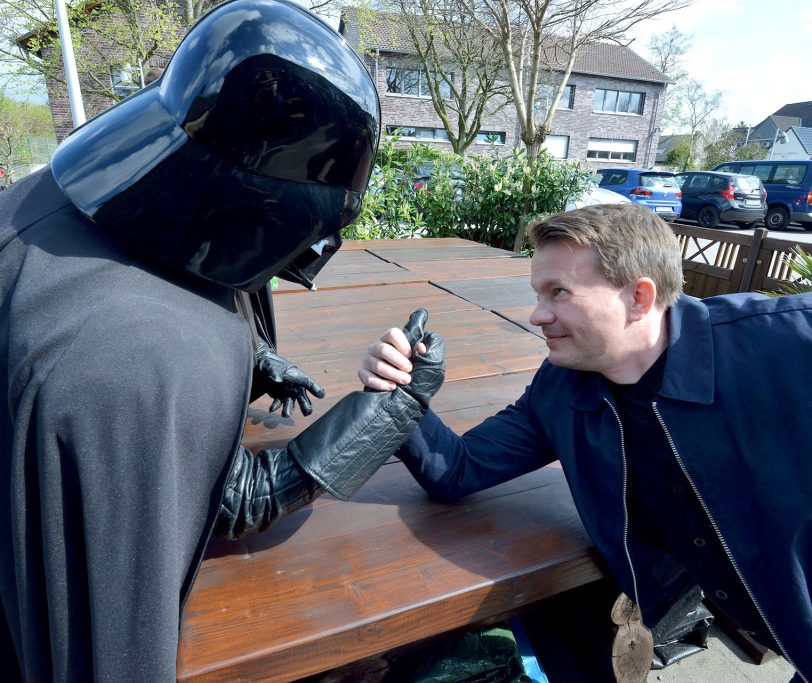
[582, 314]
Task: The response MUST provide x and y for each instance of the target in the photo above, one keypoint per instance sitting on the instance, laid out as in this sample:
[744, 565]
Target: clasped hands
[390, 362]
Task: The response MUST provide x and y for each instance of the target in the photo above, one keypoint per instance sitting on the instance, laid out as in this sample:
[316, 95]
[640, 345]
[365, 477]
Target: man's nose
[541, 315]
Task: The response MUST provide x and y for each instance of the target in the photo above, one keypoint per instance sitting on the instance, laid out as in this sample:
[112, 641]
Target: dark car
[425, 176]
[789, 189]
[710, 197]
[656, 190]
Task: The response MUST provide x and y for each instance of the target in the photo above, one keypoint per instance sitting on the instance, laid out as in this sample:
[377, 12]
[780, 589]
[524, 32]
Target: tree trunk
[521, 229]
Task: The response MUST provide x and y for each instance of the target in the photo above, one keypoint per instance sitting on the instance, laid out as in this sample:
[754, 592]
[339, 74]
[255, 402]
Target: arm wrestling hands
[338, 452]
[387, 364]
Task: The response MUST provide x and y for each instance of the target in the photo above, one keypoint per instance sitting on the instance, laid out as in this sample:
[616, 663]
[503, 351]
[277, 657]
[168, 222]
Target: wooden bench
[339, 582]
[719, 261]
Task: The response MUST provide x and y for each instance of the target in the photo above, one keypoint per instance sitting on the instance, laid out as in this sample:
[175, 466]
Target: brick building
[609, 113]
[114, 73]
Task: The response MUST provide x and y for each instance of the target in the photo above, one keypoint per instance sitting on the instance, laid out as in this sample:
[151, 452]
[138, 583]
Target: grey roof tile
[384, 32]
[804, 136]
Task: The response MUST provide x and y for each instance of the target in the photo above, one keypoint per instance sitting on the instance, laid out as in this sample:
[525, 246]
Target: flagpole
[77, 108]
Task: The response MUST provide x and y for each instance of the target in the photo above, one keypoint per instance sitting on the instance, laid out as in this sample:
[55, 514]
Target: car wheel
[708, 217]
[777, 218]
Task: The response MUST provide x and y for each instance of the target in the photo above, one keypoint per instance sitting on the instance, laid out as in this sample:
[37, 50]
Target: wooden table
[338, 582]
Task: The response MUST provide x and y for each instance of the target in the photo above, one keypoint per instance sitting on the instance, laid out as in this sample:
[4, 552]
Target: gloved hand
[347, 445]
[428, 369]
[285, 383]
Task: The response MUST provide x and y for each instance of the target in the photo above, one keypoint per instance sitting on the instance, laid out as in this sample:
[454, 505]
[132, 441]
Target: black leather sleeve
[260, 489]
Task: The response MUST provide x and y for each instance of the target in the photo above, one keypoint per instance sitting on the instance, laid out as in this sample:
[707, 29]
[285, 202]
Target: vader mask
[245, 159]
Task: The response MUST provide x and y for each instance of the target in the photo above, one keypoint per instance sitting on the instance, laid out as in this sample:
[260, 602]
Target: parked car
[596, 195]
[789, 189]
[710, 197]
[656, 190]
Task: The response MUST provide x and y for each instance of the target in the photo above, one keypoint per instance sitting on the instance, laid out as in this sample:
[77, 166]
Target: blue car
[789, 189]
[656, 190]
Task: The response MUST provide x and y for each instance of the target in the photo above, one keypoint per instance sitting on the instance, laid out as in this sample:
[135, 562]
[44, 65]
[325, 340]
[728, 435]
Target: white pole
[77, 108]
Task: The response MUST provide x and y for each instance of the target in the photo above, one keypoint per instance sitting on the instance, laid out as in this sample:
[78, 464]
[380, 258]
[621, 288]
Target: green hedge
[481, 198]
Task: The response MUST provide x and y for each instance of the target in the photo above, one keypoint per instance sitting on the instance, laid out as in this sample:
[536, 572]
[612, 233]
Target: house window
[557, 145]
[491, 137]
[607, 148]
[619, 101]
[417, 132]
[125, 80]
[413, 82]
[546, 94]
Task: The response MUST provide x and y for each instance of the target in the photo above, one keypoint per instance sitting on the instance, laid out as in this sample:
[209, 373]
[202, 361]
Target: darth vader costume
[128, 347]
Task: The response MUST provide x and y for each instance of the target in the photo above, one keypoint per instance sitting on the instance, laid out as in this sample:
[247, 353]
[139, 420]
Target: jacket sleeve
[504, 446]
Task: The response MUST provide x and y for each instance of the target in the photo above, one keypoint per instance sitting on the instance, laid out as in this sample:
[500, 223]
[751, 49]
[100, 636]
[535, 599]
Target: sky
[756, 52]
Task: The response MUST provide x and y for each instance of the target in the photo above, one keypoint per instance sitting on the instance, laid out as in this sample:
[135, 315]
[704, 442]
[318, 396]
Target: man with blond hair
[682, 425]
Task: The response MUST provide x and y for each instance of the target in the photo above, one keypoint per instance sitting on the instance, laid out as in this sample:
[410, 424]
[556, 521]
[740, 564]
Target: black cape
[122, 398]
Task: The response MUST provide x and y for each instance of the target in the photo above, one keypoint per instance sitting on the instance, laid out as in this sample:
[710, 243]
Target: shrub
[480, 198]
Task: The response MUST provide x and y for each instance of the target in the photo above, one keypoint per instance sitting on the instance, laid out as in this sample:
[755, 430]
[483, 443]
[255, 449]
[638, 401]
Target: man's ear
[643, 296]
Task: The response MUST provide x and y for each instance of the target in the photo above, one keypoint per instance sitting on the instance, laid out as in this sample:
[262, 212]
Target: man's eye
[558, 291]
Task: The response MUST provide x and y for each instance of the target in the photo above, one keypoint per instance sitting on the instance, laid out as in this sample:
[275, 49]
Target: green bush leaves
[482, 198]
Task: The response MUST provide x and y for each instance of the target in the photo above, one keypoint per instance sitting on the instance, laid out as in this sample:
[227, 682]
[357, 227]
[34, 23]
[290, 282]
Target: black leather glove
[355, 437]
[285, 383]
[428, 370]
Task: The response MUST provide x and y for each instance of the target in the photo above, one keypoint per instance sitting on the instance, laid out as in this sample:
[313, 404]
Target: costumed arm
[285, 383]
[274, 375]
[337, 453]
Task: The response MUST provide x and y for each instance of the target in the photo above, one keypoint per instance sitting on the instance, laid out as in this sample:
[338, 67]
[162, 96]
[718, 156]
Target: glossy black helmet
[254, 145]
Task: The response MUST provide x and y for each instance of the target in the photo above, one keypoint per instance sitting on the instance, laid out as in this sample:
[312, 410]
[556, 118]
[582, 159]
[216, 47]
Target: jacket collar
[689, 368]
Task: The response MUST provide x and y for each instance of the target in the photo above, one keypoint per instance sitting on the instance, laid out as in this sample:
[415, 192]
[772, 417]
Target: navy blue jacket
[736, 407]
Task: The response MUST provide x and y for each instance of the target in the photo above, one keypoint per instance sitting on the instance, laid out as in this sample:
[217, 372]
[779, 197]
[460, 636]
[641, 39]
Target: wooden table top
[337, 582]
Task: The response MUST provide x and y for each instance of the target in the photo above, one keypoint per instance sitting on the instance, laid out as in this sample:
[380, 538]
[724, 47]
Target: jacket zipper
[722, 540]
[625, 508]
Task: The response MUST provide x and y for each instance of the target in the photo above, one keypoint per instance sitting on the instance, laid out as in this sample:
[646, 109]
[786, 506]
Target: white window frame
[546, 93]
[612, 148]
[618, 95]
[423, 90]
[125, 80]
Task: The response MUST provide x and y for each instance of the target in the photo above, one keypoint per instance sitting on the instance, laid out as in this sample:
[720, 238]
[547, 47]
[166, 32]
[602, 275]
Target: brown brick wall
[94, 103]
[579, 124]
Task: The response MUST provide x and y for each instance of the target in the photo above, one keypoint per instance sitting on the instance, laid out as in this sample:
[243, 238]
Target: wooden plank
[381, 297]
[480, 397]
[493, 293]
[353, 269]
[519, 315]
[439, 242]
[428, 250]
[394, 557]
[439, 270]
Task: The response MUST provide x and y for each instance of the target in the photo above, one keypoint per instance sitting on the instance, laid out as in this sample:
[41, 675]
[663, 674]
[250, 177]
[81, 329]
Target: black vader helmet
[254, 147]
